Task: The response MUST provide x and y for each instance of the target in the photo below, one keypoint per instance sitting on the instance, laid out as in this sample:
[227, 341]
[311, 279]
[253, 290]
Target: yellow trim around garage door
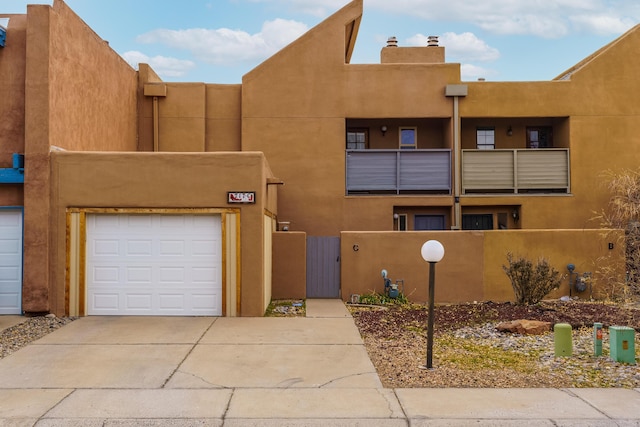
[75, 286]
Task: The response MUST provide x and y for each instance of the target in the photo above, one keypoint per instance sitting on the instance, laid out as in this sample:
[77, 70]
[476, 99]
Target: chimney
[392, 42]
[432, 41]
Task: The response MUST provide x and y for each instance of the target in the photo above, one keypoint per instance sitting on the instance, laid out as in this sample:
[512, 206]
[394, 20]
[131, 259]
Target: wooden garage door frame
[76, 258]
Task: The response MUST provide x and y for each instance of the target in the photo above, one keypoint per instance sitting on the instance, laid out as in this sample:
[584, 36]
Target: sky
[218, 41]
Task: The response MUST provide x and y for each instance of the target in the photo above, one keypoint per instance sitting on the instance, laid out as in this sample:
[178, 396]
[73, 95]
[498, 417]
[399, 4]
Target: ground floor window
[429, 222]
[477, 222]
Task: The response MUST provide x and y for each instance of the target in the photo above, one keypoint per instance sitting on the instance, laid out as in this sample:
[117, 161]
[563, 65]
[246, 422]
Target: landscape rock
[524, 327]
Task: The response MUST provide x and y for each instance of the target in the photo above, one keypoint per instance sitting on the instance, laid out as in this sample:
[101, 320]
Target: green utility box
[622, 344]
[562, 339]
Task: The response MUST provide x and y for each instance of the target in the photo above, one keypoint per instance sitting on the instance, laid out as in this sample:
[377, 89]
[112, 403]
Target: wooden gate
[323, 267]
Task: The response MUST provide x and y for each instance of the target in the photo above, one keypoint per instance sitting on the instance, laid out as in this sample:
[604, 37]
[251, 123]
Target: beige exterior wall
[300, 121]
[293, 111]
[80, 95]
[289, 265]
[156, 182]
[194, 117]
[12, 104]
[471, 269]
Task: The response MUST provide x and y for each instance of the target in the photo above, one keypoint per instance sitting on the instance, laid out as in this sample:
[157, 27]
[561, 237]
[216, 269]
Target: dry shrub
[531, 283]
[623, 212]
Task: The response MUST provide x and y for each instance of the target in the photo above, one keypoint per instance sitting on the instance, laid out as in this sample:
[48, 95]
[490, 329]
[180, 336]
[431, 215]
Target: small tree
[531, 283]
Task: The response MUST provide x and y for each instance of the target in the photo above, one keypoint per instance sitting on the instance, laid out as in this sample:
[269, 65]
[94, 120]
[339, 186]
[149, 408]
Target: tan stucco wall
[81, 96]
[458, 275]
[289, 265]
[12, 70]
[293, 107]
[159, 180]
[193, 117]
[588, 250]
[299, 121]
[471, 269]
[601, 131]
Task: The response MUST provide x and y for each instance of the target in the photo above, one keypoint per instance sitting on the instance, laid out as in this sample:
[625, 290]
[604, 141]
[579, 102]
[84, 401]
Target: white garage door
[10, 262]
[167, 265]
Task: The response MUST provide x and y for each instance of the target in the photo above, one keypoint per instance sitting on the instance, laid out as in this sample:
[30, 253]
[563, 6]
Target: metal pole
[432, 277]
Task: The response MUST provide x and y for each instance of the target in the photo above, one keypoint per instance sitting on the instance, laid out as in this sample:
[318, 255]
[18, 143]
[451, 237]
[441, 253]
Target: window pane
[485, 139]
[356, 139]
[407, 138]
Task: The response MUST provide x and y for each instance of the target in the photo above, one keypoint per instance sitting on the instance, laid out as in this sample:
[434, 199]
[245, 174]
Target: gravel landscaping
[468, 351]
[32, 328]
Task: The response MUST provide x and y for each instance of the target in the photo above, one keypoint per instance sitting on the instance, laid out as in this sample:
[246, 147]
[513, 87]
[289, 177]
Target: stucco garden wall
[471, 269]
[289, 265]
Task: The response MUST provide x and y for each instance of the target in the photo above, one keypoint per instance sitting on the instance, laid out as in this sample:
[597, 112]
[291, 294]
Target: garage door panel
[10, 262]
[9, 300]
[171, 301]
[159, 265]
[139, 301]
[138, 247]
[139, 275]
[104, 301]
[9, 274]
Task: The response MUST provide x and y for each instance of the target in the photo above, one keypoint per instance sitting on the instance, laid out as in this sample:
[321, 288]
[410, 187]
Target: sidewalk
[118, 371]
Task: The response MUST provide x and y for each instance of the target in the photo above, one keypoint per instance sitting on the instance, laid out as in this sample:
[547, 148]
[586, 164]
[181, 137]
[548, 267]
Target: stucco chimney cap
[432, 41]
[392, 42]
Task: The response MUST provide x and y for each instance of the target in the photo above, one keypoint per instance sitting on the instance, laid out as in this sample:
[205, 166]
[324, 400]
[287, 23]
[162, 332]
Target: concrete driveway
[160, 371]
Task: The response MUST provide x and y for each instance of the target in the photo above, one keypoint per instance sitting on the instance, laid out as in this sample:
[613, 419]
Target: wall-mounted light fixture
[509, 131]
[383, 129]
[515, 214]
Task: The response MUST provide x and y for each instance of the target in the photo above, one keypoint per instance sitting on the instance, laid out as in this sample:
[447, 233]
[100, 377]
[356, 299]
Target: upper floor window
[485, 138]
[408, 138]
[357, 139]
[539, 137]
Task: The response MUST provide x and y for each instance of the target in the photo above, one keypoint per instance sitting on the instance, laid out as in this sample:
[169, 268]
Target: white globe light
[432, 251]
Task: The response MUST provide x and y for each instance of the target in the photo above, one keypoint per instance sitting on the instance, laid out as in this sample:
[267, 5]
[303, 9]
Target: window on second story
[357, 139]
[485, 138]
[539, 137]
[408, 138]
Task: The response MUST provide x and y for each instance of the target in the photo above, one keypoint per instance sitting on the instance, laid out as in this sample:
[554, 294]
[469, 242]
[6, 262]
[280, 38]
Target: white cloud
[164, 66]
[317, 8]
[547, 19]
[471, 72]
[461, 47]
[224, 46]
[602, 25]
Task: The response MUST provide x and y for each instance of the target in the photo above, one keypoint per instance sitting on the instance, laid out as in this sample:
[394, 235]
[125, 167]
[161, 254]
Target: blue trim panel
[14, 175]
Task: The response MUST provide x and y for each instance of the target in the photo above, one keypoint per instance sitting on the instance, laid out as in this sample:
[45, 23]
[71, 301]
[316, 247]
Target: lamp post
[432, 251]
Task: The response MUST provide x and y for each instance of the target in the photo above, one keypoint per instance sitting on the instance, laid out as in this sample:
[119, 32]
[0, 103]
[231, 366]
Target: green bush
[531, 283]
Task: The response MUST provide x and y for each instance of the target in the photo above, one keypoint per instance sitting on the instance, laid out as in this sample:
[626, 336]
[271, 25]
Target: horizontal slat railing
[371, 171]
[515, 170]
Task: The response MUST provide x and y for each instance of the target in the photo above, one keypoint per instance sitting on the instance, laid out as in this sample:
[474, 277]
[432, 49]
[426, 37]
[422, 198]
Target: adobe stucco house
[145, 197]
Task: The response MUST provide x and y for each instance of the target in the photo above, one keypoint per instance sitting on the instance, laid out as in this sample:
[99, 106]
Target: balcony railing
[398, 171]
[522, 170]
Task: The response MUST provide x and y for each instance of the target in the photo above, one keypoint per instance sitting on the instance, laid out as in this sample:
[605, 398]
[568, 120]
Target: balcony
[515, 171]
[398, 171]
